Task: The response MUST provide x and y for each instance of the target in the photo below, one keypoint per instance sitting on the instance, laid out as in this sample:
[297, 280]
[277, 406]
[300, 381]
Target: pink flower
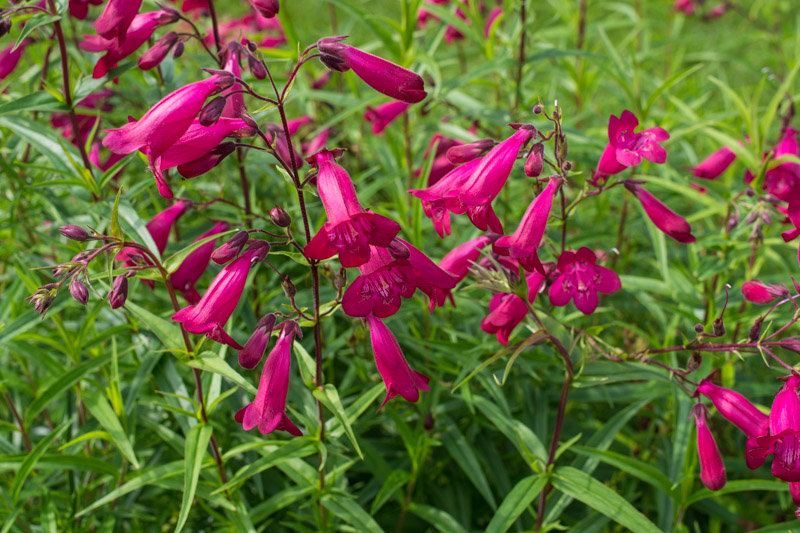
[158, 52]
[384, 114]
[116, 18]
[506, 311]
[192, 268]
[384, 280]
[80, 8]
[399, 378]
[451, 34]
[662, 216]
[760, 293]
[581, 279]
[687, 7]
[784, 433]
[464, 153]
[216, 306]
[494, 14]
[192, 5]
[715, 164]
[441, 163]
[524, 244]
[717, 11]
[423, 15]
[783, 180]
[627, 149]
[165, 123]
[383, 76]
[436, 203]
[350, 229]
[267, 8]
[488, 179]
[254, 348]
[268, 410]
[9, 58]
[712, 469]
[457, 263]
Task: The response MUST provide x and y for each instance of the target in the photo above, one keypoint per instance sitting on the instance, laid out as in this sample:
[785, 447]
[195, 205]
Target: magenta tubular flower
[451, 33]
[506, 311]
[662, 216]
[80, 8]
[457, 263]
[581, 279]
[267, 8]
[268, 410]
[317, 143]
[464, 153]
[383, 115]
[423, 16]
[712, 469]
[139, 32]
[686, 7]
[195, 144]
[350, 229]
[794, 490]
[783, 181]
[218, 303]
[116, 18]
[524, 244]
[627, 149]
[383, 76]
[400, 379]
[159, 228]
[760, 293]
[784, 433]
[384, 280]
[165, 123]
[192, 268]
[9, 58]
[493, 15]
[488, 179]
[254, 348]
[712, 166]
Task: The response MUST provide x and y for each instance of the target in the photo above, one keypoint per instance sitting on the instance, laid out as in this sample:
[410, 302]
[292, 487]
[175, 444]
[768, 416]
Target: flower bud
[257, 67]
[5, 26]
[429, 423]
[79, 291]
[760, 293]
[207, 162]
[230, 249]
[280, 217]
[288, 288]
[178, 51]
[755, 331]
[267, 8]
[212, 111]
[119, 292]
[251, 45]
[74, 233]
[694, 362]
[566, 166]
[156, 54]
[718, 327]
[712, 469]
[398, 250]
[340, 279]
[538, 109]
[43, 298]
[256, 345]
[535, 162]
[698, 328]
[465, 153]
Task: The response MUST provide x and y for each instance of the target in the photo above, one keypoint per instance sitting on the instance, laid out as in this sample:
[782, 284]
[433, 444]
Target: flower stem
[214, 26]
[521, 58]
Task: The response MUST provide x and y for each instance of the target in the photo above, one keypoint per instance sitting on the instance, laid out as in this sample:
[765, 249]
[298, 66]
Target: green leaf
[38, 101]
[30, 461]
[173, 262]
[738, 486]
[329, 397]
[396, 480]
[635, 467]
[45, 140]
[211, 362]
[348, 510]
[102, 411]
[167, 332]
[601, 498]
[36, 21]
[515, 503]
[460, 450]
[437, 518]
[297, 447]
[116, 229]
[196, 444]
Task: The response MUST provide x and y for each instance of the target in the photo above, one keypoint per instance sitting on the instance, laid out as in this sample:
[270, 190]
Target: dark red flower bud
[465, 153]
[537, 109]
[256, 345]
[156, 54]
[267, 8]
[79, 291]
[430, 422]
[119, 292]
[74, 233]
[230, 249]
[178, 52]
[212, 111]
[398, 250]
[280, 217]
[257, 67]
[5, 26]
[535, 162]
[207, 162]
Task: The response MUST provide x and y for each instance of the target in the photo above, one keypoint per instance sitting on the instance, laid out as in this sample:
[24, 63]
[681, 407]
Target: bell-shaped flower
[256, 345]
[436, 202]
[350, 229]
[506, 311]
[488, 179]
[712, 166]
[400, 379]
[210, 314]
[626, 148]
[384, 280]
[524, 244]
[166, 122]
[784, 433]
[712, 469]
[383, 76]
[760, 293]
[783, 181]
[580, 278]
[268, 410]
[662, 216]
[457, 263]
[116, 18]
[192, 268]
[383, 115]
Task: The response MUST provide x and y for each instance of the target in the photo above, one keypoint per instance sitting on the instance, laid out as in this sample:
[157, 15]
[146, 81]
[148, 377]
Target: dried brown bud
[288, 288]
[694, 362]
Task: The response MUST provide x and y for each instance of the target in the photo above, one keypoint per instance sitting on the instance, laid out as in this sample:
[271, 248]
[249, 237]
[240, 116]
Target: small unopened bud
[755, 331]
[178, 51]
[74, 233]
[766, 217]
[79, 291]
[535, 162]
[119, 292]
[156, 54]
[207, 162]
[280, 217]
[750, 193]
[43, 298]
[168, 14]
[694, 362]
[398, 250]
[5, 26]
[566, 166]
[230, 249]
[257, 67]
[467, 152]
[698, 328]
[288, 288]
[537, 109]
[212, 111]
[718, 326]
[430, 422]
[268, 8]
[251, 46]
[733, 221]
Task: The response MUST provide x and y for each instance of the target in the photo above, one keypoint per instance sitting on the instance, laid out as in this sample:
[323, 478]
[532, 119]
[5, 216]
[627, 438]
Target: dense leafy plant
[597, 296]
